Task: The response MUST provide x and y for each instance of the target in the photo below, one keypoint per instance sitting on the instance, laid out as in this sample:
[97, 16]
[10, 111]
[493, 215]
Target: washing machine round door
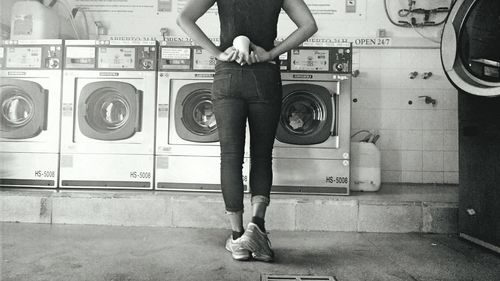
[470, 46]
[307, 114]
[24, 109]
[194, 113]
[109, 110]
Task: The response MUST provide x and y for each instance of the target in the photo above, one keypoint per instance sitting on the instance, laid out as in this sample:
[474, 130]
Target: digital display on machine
[116, 57]
[21, 57]
[309, 60]
[80, 57]
[203, 60]
[175, 58]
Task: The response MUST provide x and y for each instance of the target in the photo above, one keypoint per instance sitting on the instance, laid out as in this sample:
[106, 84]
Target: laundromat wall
[419, 140]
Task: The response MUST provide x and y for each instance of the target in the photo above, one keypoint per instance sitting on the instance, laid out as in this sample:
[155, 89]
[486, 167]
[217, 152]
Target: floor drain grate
[274, 277]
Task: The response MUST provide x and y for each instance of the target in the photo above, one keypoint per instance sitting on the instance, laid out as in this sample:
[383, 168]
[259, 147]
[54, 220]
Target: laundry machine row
[116, 122]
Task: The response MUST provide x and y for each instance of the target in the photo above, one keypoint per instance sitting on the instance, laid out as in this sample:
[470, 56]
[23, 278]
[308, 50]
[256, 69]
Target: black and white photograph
[252, 140]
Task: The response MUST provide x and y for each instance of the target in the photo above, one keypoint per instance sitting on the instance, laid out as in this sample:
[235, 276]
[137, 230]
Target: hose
[411, 11]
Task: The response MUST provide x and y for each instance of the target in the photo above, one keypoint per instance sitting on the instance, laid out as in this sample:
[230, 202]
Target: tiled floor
[77, 252]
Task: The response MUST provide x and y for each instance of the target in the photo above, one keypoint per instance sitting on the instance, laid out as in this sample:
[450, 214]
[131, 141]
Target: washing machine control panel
[31, 54]
[186, 58]
[318, 59]
[111, 55]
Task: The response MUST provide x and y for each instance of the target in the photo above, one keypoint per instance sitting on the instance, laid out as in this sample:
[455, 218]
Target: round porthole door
[194, 113]
[307, 114]
[470, 46]
[24, 109]
[109, 110]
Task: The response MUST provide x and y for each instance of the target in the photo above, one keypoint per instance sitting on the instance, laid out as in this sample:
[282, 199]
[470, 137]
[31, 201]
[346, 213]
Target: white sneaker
[238, 252]
[257, 242]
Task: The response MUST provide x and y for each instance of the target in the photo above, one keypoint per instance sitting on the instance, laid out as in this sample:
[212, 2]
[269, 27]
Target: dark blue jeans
[241, 93]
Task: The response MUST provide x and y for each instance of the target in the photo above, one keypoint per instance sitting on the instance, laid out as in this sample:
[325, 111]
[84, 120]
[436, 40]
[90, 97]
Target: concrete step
[395, 208]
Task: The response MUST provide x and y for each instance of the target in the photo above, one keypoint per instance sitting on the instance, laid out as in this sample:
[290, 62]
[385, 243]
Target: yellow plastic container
[365, 167]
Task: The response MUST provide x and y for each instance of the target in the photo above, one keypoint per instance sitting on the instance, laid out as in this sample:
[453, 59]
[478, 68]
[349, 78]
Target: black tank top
[256, 19]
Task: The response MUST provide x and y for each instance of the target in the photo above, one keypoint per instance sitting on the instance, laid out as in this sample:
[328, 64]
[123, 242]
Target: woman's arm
[186, 20]
[300, 14]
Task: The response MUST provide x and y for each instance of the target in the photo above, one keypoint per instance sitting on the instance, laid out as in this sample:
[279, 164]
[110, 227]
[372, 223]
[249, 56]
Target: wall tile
[390, 99]
[390, 58]
[369, 118]
[449, 99]
[451, 177]
[410, 176]
[405, 81]
[356, 118]
[391, 160]
[432, 119]
[369, 78]
[438, 80]
[391, 176]
[433, 177]
[433, 161]
[410, 99]
[366, 99]
[370, 58]
[411, 120]
[390, 119]
[432, 140]
[411, 160]
[450, 119]
[450, 140]
[436, 94]
[411, 140]
[389, 139]
[451, 161]
[391, 78]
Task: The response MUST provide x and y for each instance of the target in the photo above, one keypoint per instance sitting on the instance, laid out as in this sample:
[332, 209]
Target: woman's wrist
[272, 54]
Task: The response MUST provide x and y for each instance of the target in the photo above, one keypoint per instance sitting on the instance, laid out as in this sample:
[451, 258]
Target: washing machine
[311, 151]
[108, 114]
[30, 97]
[187, 141]
[470, 54]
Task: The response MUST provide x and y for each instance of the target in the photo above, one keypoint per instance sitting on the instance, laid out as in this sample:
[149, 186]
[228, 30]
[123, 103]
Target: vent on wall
[266, 277]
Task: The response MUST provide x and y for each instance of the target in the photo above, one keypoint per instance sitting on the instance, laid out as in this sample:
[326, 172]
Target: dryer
[30, 97]
[187, 141]
[311, 151]
[108, 116]
[470, 55]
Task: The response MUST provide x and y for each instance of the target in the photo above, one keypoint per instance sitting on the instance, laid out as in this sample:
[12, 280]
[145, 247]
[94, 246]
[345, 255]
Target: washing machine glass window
[307, 114]
[198, 113]
[107, 110]
[110, 110]
[479, 41]
[23, 109]
[17, 107]
[302, 113]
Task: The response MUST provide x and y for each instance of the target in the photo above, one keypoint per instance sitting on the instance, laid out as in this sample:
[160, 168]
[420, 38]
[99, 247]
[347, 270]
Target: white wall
[419, 142]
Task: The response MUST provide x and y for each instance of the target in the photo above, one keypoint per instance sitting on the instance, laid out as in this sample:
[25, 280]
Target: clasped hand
[257, 54]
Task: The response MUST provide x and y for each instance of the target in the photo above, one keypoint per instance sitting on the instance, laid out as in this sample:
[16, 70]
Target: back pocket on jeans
[221, 87]
[268, 84]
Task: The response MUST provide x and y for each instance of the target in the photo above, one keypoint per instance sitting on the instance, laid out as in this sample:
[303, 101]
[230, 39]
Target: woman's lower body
[244, 94]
